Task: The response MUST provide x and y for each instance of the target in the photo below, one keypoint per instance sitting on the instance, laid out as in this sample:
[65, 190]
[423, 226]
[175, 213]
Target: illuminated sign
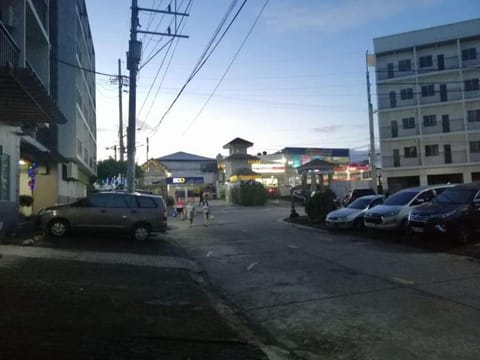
[185, 180]
[268, 168]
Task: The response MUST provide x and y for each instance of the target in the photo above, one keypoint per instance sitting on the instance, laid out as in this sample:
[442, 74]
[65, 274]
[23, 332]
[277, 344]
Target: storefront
[185, 187]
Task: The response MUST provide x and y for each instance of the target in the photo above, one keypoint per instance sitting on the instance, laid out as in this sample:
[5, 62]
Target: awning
[24, 99]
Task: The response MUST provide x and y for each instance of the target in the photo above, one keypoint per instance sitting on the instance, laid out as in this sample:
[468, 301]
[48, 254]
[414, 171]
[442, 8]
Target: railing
[41, 8]
[8, 49]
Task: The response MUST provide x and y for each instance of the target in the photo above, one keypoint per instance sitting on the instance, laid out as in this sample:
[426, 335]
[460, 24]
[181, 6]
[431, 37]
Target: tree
[109, 168]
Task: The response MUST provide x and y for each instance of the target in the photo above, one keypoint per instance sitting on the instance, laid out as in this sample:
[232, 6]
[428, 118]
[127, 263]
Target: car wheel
[57, 227]
[141, 232]
[463, 235]
[358, 224]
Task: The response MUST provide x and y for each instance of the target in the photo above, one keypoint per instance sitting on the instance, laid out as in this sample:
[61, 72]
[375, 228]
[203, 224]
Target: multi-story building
[39, 107]
[73, 86]
[428, 98]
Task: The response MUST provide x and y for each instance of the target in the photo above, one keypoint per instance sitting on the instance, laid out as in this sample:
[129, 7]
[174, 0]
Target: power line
[201, 62]
[83, 69]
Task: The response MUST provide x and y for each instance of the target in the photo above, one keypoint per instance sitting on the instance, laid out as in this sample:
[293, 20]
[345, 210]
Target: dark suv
[455, 212]
[137, 213]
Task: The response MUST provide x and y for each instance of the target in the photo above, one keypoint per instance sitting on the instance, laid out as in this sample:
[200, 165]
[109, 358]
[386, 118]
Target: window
[408, 123]
[429, 120]
[469, 54]
[471, 85]
[390, 71]
[410, 152]
[406, 94]
[119, 201]
[431, 150]
[425, 61]
[473, 115]
[97, 201]
[146, 202]
[475, 146]
[428, 90]
[405, 65]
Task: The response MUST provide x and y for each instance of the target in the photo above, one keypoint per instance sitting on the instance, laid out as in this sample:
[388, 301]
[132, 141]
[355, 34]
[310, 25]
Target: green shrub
[249, 193]
[320, 204]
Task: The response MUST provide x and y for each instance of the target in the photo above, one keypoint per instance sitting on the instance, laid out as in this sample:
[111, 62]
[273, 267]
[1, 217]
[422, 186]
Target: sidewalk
[64, 304]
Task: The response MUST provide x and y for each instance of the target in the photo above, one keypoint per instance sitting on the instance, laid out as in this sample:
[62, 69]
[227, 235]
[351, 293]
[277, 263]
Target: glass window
[99, 200]
[405, 65]
[401, 198]
[410, 152]
[469, 54]
[146, 202]
[426, 196]
[429, 120]
[431, 150]
[428, 90]
[359, 204]
[471, 85]
[408, 123]
[473, 115]
[475, 146]
[455, 196]
[406, 94]
[425, 61]
[119, 201]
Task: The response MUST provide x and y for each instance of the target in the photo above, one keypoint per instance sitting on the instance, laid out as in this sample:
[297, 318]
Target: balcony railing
[8, 49]
[41, 7]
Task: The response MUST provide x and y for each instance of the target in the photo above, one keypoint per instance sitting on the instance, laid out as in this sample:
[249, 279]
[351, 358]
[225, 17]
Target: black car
[455, 212]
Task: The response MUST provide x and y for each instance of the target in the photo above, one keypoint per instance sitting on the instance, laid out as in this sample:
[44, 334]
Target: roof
[238, 141]
[183, 156]
[316, 164]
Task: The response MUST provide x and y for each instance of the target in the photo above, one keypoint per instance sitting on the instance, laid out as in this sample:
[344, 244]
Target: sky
[299, 80]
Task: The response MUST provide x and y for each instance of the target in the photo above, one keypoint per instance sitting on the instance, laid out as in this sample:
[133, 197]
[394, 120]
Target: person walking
[206, 212]
[190, 211]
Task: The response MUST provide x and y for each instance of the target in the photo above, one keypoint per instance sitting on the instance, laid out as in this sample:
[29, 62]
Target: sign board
[184, 180]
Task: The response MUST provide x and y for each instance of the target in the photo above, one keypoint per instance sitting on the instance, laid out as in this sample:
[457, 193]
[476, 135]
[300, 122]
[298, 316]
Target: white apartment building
[428, 99]
[73, 86]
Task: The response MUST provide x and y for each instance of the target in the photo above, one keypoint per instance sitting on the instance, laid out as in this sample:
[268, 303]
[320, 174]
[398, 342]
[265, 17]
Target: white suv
[393, 213]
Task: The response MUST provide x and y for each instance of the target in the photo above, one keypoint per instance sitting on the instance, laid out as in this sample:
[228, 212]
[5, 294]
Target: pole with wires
[373, 169]
[120, 112]
[133, 59]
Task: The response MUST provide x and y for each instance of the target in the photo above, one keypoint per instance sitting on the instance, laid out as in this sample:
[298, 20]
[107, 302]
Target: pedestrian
[201, 199]
[190, 211]
[179, 208]
[206, 212]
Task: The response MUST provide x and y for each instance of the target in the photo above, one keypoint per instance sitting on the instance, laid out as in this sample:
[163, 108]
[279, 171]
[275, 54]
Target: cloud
[335, 16]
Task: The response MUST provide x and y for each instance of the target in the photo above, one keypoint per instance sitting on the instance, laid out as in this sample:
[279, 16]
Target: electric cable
[194, 72]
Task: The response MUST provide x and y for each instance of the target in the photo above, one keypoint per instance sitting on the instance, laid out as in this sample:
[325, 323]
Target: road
[324, 295]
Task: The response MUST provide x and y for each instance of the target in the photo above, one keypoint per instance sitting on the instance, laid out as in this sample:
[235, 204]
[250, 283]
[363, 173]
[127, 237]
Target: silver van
[393, 213]
[138, 213]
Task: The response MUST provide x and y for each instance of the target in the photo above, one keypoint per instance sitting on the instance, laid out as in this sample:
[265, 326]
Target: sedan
[352, 216]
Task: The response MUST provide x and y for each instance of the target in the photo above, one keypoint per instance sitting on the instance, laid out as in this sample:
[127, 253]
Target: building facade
[40, 109]
[429, 105]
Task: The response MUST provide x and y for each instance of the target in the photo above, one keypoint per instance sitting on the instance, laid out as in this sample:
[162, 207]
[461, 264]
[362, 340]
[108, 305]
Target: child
[206, 211]
[190, 211]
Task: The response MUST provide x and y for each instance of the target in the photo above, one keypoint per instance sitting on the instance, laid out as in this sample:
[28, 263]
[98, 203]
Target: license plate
[417, 229]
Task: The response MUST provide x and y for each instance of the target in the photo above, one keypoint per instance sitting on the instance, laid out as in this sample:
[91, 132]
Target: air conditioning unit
[71, 171]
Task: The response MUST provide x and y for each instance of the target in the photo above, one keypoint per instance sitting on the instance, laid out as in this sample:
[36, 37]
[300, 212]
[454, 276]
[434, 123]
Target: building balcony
[24, 100]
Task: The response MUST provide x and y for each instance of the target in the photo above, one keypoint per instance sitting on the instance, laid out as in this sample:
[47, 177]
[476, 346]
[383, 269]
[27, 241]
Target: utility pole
[120, 112]
[373, 169]
[148, 148]
[133, 59]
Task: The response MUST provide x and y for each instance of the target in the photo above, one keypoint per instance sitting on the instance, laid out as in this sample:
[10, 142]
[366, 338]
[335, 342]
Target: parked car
[351, 216]
[301, 195]
[355, 194]
[393, 213]
[139, 214]
[455, 212]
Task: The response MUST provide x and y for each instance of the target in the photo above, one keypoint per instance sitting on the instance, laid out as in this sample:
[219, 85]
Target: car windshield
[359, 204]
[456, 196]
[401, 198]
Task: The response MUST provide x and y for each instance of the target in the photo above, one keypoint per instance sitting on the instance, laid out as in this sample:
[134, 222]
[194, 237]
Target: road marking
[402, 281]
[209, 253]
[251, 266]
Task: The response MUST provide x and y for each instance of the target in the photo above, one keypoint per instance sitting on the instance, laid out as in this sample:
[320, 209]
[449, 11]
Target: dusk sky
[299, 80]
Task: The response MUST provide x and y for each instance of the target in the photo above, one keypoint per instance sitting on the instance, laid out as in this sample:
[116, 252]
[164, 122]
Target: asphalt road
[324, 295]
